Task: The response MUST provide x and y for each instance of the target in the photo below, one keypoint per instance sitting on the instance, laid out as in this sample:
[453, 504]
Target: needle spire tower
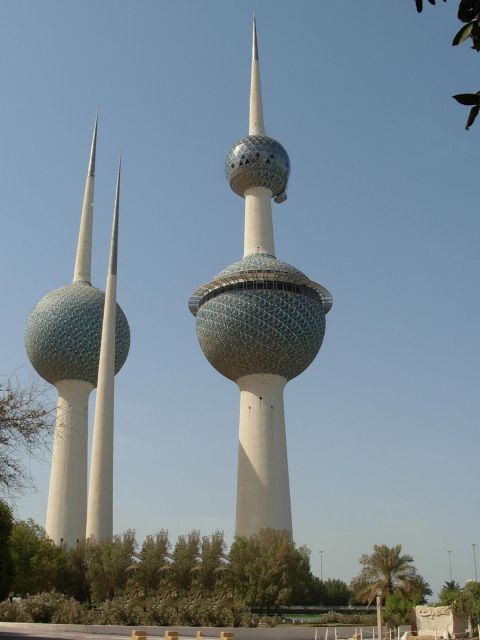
[260, 322]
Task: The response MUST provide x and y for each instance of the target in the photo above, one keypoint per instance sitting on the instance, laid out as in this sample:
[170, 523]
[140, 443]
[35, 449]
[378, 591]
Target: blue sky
[383, 210]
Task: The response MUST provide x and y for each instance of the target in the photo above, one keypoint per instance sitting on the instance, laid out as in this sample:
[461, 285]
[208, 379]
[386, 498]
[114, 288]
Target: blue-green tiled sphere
[250, 323]
[63, 334]
[260, 262]
[257, 161]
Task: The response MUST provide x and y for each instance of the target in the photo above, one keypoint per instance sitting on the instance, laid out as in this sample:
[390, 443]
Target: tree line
[195, 581]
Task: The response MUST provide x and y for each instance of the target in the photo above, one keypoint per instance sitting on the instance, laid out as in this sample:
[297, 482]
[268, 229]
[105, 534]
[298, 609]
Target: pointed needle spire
[100, 493]
[112, 267]
[83, 261]
[256, 125]
[93, 151]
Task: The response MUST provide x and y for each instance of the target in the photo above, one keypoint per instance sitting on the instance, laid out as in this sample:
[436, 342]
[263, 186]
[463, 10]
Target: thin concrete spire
[83, 261]
[100, 495]
[256, 124]
[112, 266]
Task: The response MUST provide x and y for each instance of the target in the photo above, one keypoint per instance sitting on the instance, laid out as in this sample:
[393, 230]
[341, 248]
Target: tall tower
[260, 322]
[62, 339]
[100, 492]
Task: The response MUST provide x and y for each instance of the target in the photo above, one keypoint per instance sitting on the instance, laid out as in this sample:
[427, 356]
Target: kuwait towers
[62, 338]
[260, 322]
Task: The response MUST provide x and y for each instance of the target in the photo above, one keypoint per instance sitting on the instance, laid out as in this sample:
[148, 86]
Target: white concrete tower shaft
[263, 491]
[67, 495]
[258, 200]
[100, 495]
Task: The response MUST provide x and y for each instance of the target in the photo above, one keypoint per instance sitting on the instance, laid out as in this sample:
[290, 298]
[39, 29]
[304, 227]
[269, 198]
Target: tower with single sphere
[62, 339]
[260, 322]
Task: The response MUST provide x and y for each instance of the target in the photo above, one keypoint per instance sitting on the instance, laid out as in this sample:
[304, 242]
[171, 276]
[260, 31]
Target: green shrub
[8, 611]
[69, 611]
[39, 607]
[119, 610]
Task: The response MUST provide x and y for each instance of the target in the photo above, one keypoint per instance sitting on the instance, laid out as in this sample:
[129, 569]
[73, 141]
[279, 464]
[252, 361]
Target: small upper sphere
[258, 161]
[64, 331]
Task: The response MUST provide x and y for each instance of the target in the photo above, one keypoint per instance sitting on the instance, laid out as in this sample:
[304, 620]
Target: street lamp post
[475, 561]
[450, 563]
[321, 564]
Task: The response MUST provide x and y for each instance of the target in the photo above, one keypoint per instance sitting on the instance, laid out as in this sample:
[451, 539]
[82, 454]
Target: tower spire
[83, 261]
[100, 495]
[256, 124]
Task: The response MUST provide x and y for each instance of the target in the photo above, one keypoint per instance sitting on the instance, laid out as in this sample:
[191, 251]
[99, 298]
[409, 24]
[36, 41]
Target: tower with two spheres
[77, 338]
[260, 322]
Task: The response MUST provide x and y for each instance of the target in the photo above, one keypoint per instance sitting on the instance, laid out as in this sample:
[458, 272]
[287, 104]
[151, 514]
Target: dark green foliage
[185, 561]
[6, 564]
[468, 99]
[75, 583]
[336, 592]
[468, 10]
[38, 563]
[196, 583]
[110, 565]
[387, 571]
[398, 609]
[153, 561]
[211, 570]
[468, 602]
[450, 593]
[469, 13]
[268, 570]
[472, 117]
[463, 34]
[419, 4]
[329, 593]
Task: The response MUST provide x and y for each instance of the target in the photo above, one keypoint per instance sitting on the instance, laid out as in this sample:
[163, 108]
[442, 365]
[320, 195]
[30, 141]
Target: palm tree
[386, 571]
[451, 585]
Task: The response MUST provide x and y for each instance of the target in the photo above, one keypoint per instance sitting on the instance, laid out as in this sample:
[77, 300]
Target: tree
[110, 565]
[468, 602]
[469, 14]
[76, 583]
[398, 608]
[212, 567]
[185, 561]
[335, 593]
[153, 559]
[38, 564]
[450, 592]
[387, 571]
[25, 427]
[6, 564]
[267, 570]
[419, 4]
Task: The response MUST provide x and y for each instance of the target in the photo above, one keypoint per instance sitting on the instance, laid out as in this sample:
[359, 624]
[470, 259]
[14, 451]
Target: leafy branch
[469, 14]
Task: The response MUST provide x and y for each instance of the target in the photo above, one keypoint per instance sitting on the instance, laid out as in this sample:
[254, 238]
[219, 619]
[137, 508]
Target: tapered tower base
[263, 491]
[67, 496]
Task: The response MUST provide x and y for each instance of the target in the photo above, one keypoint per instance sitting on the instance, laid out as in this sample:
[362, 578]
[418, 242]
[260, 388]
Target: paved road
[15, 634]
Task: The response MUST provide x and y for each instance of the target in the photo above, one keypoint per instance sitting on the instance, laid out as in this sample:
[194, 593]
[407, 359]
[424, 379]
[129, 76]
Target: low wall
[241, 633]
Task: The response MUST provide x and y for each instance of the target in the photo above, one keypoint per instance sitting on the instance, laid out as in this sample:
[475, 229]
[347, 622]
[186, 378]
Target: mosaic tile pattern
[63, 334]
[259, 262]
[257, 161]
[261, 331]
[261, 271]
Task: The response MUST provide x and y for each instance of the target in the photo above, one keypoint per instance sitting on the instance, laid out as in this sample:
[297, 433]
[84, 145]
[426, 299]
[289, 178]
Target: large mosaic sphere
[260, 315]
[258, 161]
[63, 334]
